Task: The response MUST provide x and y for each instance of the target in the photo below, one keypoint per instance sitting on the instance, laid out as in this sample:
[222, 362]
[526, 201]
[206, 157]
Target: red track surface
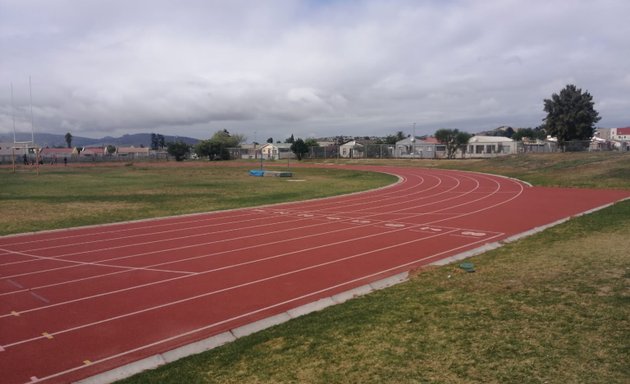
[77, 302]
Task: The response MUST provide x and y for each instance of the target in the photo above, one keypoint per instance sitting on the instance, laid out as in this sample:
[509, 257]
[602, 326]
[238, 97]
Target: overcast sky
[272, 68]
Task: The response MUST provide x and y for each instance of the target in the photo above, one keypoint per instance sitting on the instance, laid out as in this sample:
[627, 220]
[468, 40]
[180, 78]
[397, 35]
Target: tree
[537, 133]
[270, 140]
[570, 115]
[300, 148]
[391, 139]
[217, 147]
[154, 142]
[69, 139]
[290, 140]
[111, 149]
[453, 139]
[311, 142]
[178, 149]
[160, 140]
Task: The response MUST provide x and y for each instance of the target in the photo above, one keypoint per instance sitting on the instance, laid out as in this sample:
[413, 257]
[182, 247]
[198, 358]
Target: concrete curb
[212, 342]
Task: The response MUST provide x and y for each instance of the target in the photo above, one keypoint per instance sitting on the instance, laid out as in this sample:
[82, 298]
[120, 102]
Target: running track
[77, 302]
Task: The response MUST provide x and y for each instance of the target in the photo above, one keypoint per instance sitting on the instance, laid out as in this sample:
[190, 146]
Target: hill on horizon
[56, 140]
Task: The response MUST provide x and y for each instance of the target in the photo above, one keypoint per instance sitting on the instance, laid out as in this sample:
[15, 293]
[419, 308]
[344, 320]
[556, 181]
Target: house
[54, 154]
[132, 152]
[620, 134]
[427, 148]
[93, 152]
[490, 146]
[351, 150]
[271, 151]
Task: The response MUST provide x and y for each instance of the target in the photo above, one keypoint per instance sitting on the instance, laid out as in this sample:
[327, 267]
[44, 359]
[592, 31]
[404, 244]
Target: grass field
[551, 308]
[571, 169]
[72, 196]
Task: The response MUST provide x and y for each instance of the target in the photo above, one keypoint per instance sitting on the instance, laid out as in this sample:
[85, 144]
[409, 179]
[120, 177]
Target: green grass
[571, 169]
[72, 196]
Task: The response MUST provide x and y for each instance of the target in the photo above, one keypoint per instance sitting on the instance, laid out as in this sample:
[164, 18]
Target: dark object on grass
[468, 267]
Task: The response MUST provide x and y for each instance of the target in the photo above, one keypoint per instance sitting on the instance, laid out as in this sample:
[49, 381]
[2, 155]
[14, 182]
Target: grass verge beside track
[571, 169]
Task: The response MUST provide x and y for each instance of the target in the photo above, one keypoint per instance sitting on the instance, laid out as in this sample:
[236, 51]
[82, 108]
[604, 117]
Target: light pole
[413, 142]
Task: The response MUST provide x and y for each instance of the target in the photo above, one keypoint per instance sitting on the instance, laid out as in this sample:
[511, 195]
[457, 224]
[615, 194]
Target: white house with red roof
[93, 152]
[620, 134]
[621, 138]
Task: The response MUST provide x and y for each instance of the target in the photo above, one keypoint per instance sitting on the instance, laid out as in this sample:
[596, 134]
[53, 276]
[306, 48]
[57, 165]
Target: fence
[438, 151]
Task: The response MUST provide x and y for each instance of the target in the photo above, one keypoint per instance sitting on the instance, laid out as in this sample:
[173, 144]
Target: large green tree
[217, 147]
[452, 139]
[68, 138]
[570, 115]
[178, 149]
[300, 148]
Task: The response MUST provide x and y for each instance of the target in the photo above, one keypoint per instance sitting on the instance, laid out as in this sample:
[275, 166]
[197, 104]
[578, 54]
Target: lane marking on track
[97, 264]
[48, 335]
[15, 284]
[39, 297]
[473, 234]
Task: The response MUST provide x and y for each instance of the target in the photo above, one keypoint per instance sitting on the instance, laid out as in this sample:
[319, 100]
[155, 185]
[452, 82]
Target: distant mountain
[54, 140]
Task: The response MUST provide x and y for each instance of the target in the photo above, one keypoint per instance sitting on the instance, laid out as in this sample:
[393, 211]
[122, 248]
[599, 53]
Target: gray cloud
[272, 68]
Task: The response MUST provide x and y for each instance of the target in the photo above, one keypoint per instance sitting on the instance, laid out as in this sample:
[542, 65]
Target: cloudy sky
[272, 68]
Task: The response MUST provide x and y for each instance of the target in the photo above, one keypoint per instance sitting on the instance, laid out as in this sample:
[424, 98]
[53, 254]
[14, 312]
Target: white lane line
[39, 297]
[97, 264]
[141, 225]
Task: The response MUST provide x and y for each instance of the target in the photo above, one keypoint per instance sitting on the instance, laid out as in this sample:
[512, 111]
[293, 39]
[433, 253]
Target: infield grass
[76, 195]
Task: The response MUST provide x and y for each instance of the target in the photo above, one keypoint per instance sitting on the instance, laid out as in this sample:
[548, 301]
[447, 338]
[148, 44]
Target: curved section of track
[77, 302]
